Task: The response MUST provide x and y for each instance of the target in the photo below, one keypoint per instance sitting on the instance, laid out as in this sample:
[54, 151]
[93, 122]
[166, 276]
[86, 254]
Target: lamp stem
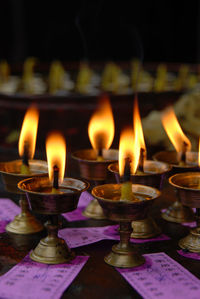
[52, 227]
[183, 154]
[198, 217]
[125, 231]
[24, 204]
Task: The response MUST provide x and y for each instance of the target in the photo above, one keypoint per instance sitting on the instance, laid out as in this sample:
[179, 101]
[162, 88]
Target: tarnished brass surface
[145, 228]
[178, 213]
[24, 223]
[154, 173]
[124, 210]
[52, 249]
[11, 175]
[94, 210]
[43, 201]
[171, 157]
[90, 168]
[93, 170]
[123, 254]
[192, 241]
[188, 188]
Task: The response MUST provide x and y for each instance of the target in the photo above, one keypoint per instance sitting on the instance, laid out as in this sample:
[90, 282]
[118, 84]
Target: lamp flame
[137, 125]
[28, 132]
[128, 148]
[174, 131]
[101, 126]
[56, 154]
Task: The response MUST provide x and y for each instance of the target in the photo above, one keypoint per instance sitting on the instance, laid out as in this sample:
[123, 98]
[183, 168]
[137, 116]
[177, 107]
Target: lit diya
[188, 189]
[93, 163]
[14, 171]
[148, 172]
[53, 196]
[125, 203]
[181, 160]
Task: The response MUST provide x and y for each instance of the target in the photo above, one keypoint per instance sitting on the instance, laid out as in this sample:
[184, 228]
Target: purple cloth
[76, 237]
[31, 280]
[76, 215]
[8, 210]
[190, 255]
[162, 277]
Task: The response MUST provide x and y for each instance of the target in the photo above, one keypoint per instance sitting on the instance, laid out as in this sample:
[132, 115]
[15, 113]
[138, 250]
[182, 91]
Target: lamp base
[24, 223]
[178, 213]
[144, 229]
[94, 210]
[52, 251]
[124, 257]
[192, 241]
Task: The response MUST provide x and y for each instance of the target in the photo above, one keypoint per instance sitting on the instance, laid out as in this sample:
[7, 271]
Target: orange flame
[137, 124]
[56, 154]
[28, 132]
[174, 131]
[101, 126]
[128, 148]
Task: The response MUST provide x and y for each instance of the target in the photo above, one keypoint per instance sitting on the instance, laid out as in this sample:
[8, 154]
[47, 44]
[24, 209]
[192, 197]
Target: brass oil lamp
[150, 173]
[125, 203]
[14, 171]
[188, 189]
[53, 196]
[181, 160]
[93, 163]
[154, 173]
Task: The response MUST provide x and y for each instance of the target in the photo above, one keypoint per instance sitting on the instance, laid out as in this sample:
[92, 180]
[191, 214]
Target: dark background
[100, 30]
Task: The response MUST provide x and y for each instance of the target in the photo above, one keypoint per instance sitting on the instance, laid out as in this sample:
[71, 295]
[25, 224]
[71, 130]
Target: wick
[55, 176]
[183, 153]
[26, 153]
[100, 155]
[142, 158]
[100, 152]
[127, 171]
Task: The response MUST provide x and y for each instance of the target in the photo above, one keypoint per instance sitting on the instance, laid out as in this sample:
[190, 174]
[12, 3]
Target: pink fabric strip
[76, 237]
[8, 210]
[31, 280]
[162, 277]
[76, 215]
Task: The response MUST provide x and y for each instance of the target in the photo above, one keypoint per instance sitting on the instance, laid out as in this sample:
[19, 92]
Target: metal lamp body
[52, 249]
[154, 174]
[177, 212]
[24, 223]
[188, 189]
[123, 254]
[94, 171]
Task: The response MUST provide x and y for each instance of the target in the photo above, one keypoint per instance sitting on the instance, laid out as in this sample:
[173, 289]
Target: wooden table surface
[97, 279]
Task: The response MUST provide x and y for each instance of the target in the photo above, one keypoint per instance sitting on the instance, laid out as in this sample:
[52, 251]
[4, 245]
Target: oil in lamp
[180, 160]
[125, 203]
[14, 171]
[150, 173]
[93, 163]
[52, 196]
